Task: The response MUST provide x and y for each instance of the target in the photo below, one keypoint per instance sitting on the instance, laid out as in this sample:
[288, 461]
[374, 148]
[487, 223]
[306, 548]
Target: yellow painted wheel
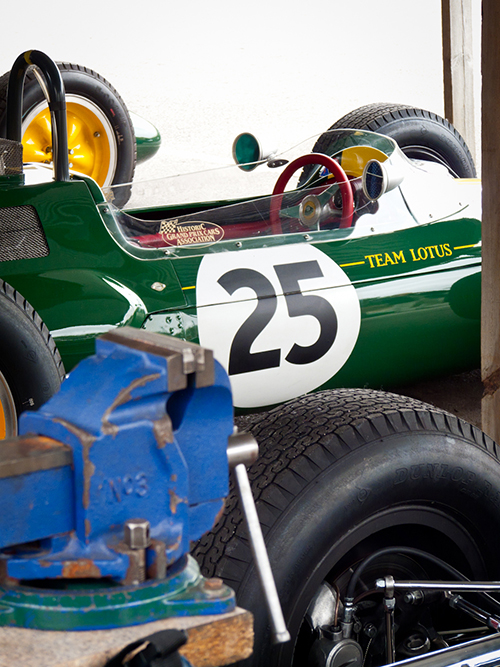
[91, 140]
[101, 136]
[8, 416]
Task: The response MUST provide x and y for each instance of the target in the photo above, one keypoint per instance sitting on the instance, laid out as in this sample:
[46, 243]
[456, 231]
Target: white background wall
[203, 71]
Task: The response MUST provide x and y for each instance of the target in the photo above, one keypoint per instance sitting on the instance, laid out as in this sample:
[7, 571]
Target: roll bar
[52, 85]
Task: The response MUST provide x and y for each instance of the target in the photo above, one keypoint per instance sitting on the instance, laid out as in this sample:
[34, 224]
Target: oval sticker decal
[196, 232]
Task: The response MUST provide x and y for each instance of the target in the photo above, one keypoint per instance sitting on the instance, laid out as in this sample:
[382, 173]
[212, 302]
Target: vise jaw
[112, 478]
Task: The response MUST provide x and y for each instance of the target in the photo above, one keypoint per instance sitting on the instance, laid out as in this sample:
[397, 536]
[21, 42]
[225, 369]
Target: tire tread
[377, 117]
[16, 298]
[339, 423]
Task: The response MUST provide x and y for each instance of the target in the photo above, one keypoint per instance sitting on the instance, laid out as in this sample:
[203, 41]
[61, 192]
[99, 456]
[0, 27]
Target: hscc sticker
[282, 321]
[175, 233]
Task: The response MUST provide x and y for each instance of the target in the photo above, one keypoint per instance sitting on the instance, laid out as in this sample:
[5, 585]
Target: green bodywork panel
[418, 285]
[420, 313]
[85, 285]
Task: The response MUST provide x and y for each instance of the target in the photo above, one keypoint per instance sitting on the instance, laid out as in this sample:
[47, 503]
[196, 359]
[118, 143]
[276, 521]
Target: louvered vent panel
[21, 234]
[11, 157]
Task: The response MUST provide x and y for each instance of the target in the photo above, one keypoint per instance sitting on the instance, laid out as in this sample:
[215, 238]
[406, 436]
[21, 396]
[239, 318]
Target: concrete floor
[458, 394]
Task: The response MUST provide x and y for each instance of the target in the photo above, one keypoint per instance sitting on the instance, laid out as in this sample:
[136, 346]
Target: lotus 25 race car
[365, 272]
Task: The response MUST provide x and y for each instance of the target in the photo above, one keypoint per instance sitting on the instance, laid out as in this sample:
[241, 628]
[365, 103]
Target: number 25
[241, 360]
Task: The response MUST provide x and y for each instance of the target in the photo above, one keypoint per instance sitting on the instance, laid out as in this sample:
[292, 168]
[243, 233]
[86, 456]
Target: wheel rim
[8, 416]
[419, 523]
[91, 139]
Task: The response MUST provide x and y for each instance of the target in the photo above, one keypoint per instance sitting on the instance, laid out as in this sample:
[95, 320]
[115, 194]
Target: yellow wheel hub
[8, 418]
[91, 140]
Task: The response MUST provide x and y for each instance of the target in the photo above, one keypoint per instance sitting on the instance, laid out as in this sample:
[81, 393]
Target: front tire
[342, 474]
[31, 369]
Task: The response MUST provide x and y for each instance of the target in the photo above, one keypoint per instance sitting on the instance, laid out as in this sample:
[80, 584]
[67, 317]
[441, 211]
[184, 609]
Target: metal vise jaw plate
[183, 358]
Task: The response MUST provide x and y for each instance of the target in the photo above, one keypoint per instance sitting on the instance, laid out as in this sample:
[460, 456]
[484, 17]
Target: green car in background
[105, 140]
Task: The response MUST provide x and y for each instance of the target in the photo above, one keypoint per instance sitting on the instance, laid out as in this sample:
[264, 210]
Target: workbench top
[212, 641]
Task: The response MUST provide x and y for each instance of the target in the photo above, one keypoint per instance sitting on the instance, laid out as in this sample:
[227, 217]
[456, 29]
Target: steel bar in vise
[244, 445]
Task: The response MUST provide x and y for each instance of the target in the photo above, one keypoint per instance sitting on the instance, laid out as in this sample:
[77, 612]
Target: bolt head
[137, 533]
[213, 584]
[370, 630]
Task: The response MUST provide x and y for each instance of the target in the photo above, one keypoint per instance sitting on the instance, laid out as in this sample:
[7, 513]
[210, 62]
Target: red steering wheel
[325, 161]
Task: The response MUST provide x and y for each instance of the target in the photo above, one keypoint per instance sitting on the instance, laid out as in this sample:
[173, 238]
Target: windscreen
[299, 194]
[352, 149]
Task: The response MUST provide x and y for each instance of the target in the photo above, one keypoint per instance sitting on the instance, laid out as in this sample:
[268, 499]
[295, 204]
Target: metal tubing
[56, 101]
[389, 606]
[389, 633]
[457, 602]
[280, 632]
[458, 586]
[475, 653]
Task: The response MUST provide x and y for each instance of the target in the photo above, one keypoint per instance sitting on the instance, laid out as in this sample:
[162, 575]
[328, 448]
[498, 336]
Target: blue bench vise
[109, 482]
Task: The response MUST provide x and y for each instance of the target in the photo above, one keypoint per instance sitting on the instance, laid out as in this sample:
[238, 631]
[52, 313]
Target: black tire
[84, 83]
[31, 369]
[422, 135]
[343, 473]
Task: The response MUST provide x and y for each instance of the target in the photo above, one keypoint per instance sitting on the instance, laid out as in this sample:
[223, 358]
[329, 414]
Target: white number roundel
[282, 321]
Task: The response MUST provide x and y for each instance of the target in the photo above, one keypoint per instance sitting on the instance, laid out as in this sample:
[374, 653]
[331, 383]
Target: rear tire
[341, 474]
[103, 140]
[422, 135]
[31, 369]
